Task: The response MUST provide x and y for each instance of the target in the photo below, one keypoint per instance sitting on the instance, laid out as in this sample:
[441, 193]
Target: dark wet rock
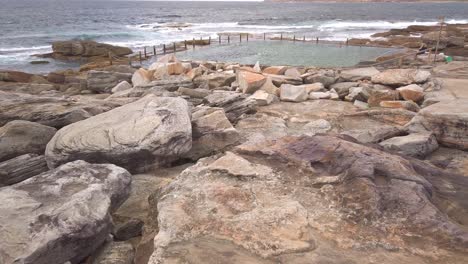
[21, 168]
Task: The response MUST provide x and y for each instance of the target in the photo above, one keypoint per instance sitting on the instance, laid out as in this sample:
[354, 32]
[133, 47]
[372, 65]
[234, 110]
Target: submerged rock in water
[151, 131]
[61, 215]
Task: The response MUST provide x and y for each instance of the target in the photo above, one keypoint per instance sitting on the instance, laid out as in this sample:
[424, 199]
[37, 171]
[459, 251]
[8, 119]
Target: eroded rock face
[289, 198]
[151, 131]
[88, 48]
[103, 81]
[21, 168]
[51, 111]
[447, 120]
[399, 77]
[212, 132]
[61, 215]
[22, 137]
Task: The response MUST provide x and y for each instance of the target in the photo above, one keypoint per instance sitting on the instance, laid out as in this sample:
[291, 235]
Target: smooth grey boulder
[400, 77]
[60, 215]
[122, 86]
[21, 168]
[414, 145]
[359, 74]
[21, 137]
[104, 81]
[151, 131]
[291, 93]
[343, 88]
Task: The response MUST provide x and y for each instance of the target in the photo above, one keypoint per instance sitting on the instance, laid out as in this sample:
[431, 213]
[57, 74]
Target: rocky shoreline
[212, 162]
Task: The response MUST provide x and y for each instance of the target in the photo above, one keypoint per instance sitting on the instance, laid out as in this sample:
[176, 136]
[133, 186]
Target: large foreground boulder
[61, 215]
[151, 131]
[22, 137]
[320, 199]
[447, 120]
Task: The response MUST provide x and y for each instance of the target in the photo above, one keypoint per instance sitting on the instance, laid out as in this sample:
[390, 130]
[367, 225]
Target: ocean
[30, 26]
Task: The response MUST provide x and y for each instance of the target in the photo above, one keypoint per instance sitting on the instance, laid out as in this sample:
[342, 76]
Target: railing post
[193, 43]
[264, 36]
[154, 50]
[164, 48]
[317, 40]
[229, 39]
[294, 38]
[219, 39]
[185, 44]
[303, 39]
[281, 37]
[175, 49]
[347, 41]
[141, 59]
[240, 37]
[247, 37]
[144, 49]
[209, 40]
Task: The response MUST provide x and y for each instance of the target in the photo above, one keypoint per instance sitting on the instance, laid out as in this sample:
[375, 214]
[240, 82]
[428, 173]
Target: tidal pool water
[286, 53]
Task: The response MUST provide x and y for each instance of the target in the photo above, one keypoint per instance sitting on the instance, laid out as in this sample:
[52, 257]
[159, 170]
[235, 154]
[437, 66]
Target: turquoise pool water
[286, 53]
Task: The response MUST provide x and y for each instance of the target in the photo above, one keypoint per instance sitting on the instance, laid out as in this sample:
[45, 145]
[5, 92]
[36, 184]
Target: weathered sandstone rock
[291, 93]
[377, 96]
[399, 77]
[103, 82]
[150, 131]
[448, 121]
[412, 92]
[263, 98]
[415, 145]
[88, 48]
[277, 70]
[61, 215]
[250, 82]
[142, 77]
[212, 132]
[51, 111]
[408, 105]
[22, 137]
[234, 104]
[300, 199]
[358, 74]
[21, 168]
[114, 253]
[122, 86]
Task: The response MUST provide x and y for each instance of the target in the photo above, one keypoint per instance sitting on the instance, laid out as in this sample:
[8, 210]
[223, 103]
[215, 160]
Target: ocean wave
[378, 25]
[15, 49]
